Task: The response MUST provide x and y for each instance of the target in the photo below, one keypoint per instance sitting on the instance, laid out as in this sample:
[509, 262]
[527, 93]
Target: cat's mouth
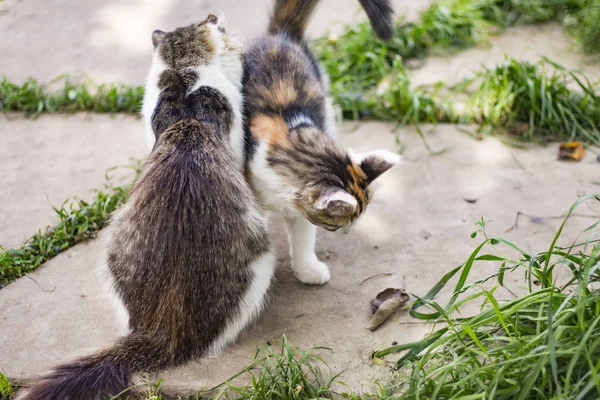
[345, 229]
[330, 228]
[327, 227]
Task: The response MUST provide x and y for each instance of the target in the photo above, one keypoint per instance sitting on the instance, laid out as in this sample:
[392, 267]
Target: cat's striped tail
[105, 373]
[291, 17]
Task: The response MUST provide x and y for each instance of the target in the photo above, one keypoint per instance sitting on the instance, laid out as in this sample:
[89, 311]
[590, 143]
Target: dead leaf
[384, 305]
[571, 151]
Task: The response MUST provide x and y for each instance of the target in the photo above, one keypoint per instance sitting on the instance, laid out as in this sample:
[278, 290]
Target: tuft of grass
[540, 101]
[290, 373]
[540, 345]
[505, 13]
[535, 100]
[6, 388]
[32, 98]
[583, 24]
[79, 221]
[369, 79]
[358, 64]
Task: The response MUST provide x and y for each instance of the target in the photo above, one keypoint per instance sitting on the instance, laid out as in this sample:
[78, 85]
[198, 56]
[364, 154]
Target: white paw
[313, 272]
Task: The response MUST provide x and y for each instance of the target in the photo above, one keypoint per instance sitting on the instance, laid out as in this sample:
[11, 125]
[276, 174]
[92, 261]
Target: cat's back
[189, 231]
[281, 73]
[192, 190]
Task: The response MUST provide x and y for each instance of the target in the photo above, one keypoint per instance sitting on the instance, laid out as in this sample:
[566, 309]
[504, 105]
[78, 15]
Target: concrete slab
[109, 41]
[417, 229]
[549, 40]
[45, 161]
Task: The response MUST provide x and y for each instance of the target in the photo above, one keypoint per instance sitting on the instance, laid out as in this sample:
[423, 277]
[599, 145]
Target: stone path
[417, 229]
[44, 161]
[109, 40]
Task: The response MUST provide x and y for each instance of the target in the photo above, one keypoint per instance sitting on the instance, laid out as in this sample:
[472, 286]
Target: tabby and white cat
[189, 258]
[293, 162]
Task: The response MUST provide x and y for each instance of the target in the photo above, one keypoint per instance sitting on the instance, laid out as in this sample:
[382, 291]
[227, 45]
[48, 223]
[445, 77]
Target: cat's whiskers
[325, 238]
[383, 209]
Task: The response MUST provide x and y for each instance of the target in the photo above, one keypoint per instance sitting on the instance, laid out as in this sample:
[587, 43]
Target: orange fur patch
[272, 130]
[358, 177]
[312, 91]
[279, 94]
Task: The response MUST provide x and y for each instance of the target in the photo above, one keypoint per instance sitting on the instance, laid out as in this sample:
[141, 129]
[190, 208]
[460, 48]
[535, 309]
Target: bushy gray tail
[291, 17]
[103, 374]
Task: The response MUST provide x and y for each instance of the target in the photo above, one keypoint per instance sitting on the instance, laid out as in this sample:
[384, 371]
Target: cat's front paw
[313, 273]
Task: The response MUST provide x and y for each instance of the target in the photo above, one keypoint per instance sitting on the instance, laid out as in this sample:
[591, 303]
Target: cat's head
[331, 187]
[340, 197]
[197, 45]
[190, 52]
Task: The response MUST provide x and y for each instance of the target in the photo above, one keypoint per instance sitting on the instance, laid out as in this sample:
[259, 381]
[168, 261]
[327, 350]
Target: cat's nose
[346, 229]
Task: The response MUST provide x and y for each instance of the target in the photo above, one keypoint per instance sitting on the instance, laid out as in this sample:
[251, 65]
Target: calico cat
[293, 163]
[189, 257]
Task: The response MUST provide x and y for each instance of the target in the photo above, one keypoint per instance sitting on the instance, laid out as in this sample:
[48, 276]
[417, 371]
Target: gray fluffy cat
[189, 259]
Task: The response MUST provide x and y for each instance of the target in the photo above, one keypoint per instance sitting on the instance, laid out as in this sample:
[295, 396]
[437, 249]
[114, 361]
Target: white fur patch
[338, 195]
[122, 315]
[215, 75]
[387, 156]
[300, 119]
[330, 116]
[151, 94]
[252, 302]
[271, 190]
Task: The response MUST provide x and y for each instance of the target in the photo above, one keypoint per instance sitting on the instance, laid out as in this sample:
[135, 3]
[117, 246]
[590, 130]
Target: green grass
[33, 98]
[540, 101]
[370, 80]
[290, 373]
[79, 221]
[534, 101]
[357, 64]
[284, 373]
[543, 344]
[506, 13]
[580, 17]
[6, 388]
[583, 24]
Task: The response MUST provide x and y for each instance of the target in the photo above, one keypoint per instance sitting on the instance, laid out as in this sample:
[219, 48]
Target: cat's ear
[157, 37]
[376, 162]
[335, 201]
